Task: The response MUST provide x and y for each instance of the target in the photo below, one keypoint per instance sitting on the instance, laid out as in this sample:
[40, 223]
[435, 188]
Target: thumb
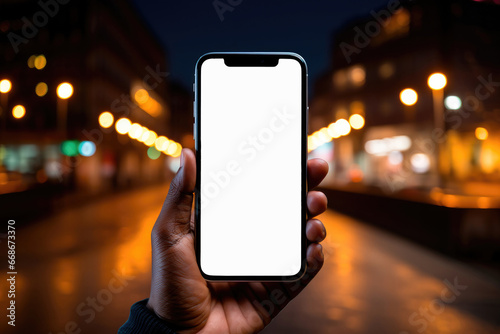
[174, 220]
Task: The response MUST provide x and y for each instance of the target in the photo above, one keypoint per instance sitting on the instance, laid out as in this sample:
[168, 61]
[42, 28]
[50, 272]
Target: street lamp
[18, 111]
[106, 119]
[5, 87]
[436, 82]
[64, 92]
[408, 96]
[357, 121]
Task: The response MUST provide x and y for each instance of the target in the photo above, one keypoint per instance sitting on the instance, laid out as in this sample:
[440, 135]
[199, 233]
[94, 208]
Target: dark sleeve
[142, 320]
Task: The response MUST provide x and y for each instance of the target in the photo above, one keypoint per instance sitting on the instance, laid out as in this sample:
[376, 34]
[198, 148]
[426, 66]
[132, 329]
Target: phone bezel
[252, 59]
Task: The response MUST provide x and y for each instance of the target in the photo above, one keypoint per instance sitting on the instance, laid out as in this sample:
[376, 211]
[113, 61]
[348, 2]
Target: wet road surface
[83, 268]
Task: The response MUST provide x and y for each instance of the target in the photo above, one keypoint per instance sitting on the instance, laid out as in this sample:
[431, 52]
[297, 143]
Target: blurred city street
[84, 267]
[403, 100]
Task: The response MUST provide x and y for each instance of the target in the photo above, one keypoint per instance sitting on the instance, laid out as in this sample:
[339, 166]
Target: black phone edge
[252, 58]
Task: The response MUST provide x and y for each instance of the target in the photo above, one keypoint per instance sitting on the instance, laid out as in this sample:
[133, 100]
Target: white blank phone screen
[250, 169]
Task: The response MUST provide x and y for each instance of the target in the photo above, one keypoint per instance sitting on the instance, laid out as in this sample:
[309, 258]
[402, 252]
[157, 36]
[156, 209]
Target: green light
[70, 147]
[153, 153]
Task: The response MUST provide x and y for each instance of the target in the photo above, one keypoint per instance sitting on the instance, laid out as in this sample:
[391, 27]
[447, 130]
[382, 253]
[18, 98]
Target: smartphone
[250, 132]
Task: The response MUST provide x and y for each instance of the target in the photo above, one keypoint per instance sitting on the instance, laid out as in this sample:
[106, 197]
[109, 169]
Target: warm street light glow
[156, 144]
[333, 131]
[40, 62]
[41, 89]
[178, 150]
[408, 96]
[64, 90]
[123, 125]
[343, 127]
[106, 119]
[31, 61]
[357, 75]
[135, 131]
[452, 102]
[420, 163]
[161, 143]
[5, 86]
[141, 96]
[437, 81]
[146, 102]
[357, 121]
[481, 133]
[145, 134]
[151, 138]
[172, 148]
[325, 134]
[18, 111]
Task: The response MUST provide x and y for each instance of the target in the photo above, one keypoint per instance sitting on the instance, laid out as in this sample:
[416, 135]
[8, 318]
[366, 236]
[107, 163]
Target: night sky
[189, 29]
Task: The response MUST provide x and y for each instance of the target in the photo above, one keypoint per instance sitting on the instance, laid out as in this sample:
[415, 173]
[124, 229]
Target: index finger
[316, 172]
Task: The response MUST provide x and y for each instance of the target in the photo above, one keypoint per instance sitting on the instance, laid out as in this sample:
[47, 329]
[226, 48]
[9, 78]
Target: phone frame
[251, 59]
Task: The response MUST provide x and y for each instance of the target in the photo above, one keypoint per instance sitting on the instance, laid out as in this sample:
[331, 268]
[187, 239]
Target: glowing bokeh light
[481, 133]
[135, 131]
[151, 138]
[5, 86]
[452, 102]
[153, 153]
[86, 148]
[64, 90]
[437, 81]
[333, 131]
[70, 147]
[357, 121]
[123, 125]
[41, 89]
[172, 148]
[408, 96]
[40, 62]
[420, 163]
[18, 111]
[141, 96]
[161, 143]
[343, 127]
[145, 134]
[31, 61]
[106, 119]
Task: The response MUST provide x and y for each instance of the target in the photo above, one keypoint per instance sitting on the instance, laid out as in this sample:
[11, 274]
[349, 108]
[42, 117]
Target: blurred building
[442, 139]
[413, 152]
[113, 63]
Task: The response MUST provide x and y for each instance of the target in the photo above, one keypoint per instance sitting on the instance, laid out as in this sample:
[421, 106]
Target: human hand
[185, 300]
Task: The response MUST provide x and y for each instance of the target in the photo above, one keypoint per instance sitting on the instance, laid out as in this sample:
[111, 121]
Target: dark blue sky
[189, 29]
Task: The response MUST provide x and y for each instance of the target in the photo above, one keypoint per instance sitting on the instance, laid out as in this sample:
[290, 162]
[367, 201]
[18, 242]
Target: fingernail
[182, 159]
[320, 256]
